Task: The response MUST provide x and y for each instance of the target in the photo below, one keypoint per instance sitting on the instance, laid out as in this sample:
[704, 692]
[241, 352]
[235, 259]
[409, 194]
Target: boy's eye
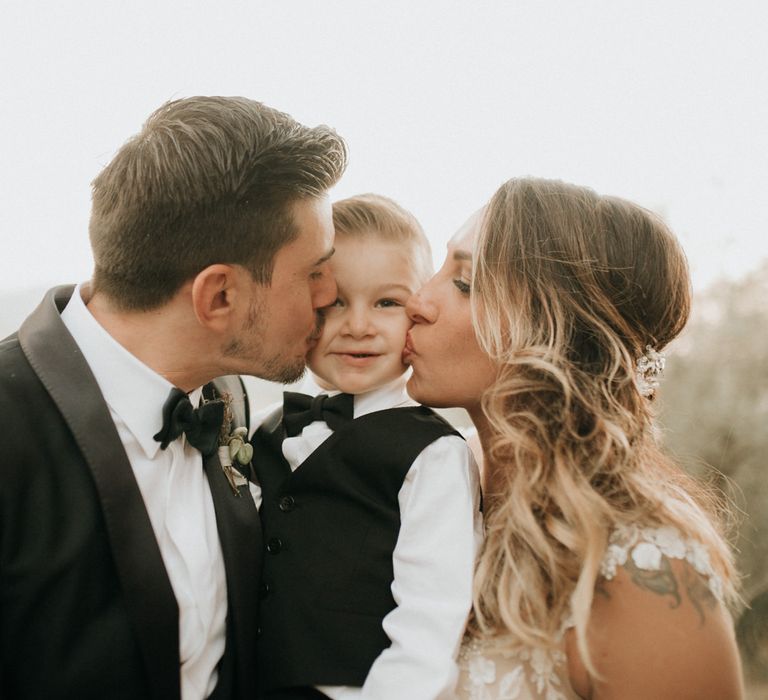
[337, 302]
[388, 303]
[314, 276]
[462, 286]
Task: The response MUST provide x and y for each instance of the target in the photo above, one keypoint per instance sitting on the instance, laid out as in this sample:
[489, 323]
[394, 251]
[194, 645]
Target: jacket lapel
[241, 543]
[149, 598]
[272, 433]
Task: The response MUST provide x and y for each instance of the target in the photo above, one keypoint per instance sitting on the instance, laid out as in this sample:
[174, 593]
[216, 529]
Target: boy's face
[362, 342]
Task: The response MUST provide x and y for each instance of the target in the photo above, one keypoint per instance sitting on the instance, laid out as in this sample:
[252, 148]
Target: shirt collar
[391, 395]
[132, 390]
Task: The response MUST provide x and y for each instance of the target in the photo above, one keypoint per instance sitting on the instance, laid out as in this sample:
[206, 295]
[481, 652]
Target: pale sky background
[665, 103]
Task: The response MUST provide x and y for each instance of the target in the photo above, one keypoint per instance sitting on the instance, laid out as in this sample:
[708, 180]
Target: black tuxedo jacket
[86, 606]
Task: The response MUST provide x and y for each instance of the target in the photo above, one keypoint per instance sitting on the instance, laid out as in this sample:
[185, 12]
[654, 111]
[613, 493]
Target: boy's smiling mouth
[356, 353]
[357, 358]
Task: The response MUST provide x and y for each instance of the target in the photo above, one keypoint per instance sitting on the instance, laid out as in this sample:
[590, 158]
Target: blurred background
[664, 103]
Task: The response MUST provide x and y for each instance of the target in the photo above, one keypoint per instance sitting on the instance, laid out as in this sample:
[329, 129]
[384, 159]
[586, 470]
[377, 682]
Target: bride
[604, 573]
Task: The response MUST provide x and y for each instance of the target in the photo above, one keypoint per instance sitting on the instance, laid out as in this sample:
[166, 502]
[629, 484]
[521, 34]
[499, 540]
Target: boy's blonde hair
[376, 215]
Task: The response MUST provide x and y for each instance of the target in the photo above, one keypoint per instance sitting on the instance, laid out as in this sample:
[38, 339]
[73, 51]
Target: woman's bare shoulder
[658, 627]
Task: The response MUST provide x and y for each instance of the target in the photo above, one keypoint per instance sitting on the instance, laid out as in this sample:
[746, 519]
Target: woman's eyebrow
[462, 255]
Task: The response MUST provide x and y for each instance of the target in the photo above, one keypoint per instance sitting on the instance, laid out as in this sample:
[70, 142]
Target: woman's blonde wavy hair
[568, 290]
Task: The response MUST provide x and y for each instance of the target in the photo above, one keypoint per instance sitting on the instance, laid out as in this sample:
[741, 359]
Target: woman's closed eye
[462, 286]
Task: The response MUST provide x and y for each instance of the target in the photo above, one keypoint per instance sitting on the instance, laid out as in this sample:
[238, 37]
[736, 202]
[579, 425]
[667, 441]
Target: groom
[128, 552]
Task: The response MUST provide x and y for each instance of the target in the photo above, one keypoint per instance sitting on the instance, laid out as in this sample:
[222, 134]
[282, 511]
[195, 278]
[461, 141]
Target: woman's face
[449, 368]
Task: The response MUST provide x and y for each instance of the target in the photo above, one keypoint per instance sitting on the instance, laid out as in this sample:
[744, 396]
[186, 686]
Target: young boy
[370, 501]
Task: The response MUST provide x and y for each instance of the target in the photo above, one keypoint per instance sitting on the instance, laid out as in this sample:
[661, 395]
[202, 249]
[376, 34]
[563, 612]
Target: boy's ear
[216, 291]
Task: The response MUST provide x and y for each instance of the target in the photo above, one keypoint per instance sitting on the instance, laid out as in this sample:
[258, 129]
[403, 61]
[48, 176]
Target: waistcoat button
[274, 545]
[286, 504]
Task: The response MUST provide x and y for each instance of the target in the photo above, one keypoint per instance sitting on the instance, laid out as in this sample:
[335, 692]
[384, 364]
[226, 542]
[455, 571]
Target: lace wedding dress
[490, 673]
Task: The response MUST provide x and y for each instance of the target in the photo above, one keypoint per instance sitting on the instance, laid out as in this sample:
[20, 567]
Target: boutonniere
[233, 447]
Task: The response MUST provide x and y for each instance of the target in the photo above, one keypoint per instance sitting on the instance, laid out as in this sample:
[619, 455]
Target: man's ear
[216, 293]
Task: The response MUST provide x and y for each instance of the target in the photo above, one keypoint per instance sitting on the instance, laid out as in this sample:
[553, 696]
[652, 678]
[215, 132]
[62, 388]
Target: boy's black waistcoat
[330, 529]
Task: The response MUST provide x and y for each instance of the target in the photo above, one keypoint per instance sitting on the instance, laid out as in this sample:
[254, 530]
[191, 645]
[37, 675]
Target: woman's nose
[420, 309]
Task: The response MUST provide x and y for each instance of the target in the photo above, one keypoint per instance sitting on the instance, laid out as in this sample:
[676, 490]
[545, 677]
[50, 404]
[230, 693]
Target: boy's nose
[420, 309]
[359, 323]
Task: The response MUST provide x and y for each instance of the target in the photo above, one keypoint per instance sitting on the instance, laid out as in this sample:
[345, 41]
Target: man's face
[282, 323]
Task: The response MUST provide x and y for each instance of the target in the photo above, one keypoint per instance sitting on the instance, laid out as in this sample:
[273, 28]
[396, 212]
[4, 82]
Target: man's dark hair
[207, 180]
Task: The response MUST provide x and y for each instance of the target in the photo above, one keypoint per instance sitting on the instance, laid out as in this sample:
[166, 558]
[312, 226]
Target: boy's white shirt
[433, 560]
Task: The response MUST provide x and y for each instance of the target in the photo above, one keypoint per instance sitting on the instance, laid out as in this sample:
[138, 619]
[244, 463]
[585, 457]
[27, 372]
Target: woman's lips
[408, 351]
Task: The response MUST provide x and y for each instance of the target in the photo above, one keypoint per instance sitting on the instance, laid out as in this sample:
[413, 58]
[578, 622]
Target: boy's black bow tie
[201, 425]
[299, 410]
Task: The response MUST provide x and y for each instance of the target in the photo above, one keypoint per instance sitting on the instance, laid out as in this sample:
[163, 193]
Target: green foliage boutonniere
[233, 447]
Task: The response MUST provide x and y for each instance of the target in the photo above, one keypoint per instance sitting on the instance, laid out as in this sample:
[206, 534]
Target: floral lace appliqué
[648, 545]
[536, 667]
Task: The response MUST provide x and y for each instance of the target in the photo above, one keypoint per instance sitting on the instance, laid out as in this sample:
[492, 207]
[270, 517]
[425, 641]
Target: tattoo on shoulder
[600, 589]
[663, 582]
[698, 591]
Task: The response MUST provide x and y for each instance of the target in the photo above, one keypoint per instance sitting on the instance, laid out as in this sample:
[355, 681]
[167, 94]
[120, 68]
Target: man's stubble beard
[278, 367]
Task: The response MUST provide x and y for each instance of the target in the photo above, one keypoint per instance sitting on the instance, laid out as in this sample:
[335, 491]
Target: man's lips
[317, 329]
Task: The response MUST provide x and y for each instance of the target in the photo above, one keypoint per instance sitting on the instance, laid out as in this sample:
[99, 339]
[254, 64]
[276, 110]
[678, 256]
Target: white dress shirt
[175, 492]
[433, 560]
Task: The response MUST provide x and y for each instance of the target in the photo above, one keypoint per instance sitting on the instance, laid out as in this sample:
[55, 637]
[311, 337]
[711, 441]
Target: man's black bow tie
[299, 410]
[201, 425]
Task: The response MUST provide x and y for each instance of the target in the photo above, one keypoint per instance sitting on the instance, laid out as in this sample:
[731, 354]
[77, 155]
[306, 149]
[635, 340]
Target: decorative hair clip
[650, 367]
